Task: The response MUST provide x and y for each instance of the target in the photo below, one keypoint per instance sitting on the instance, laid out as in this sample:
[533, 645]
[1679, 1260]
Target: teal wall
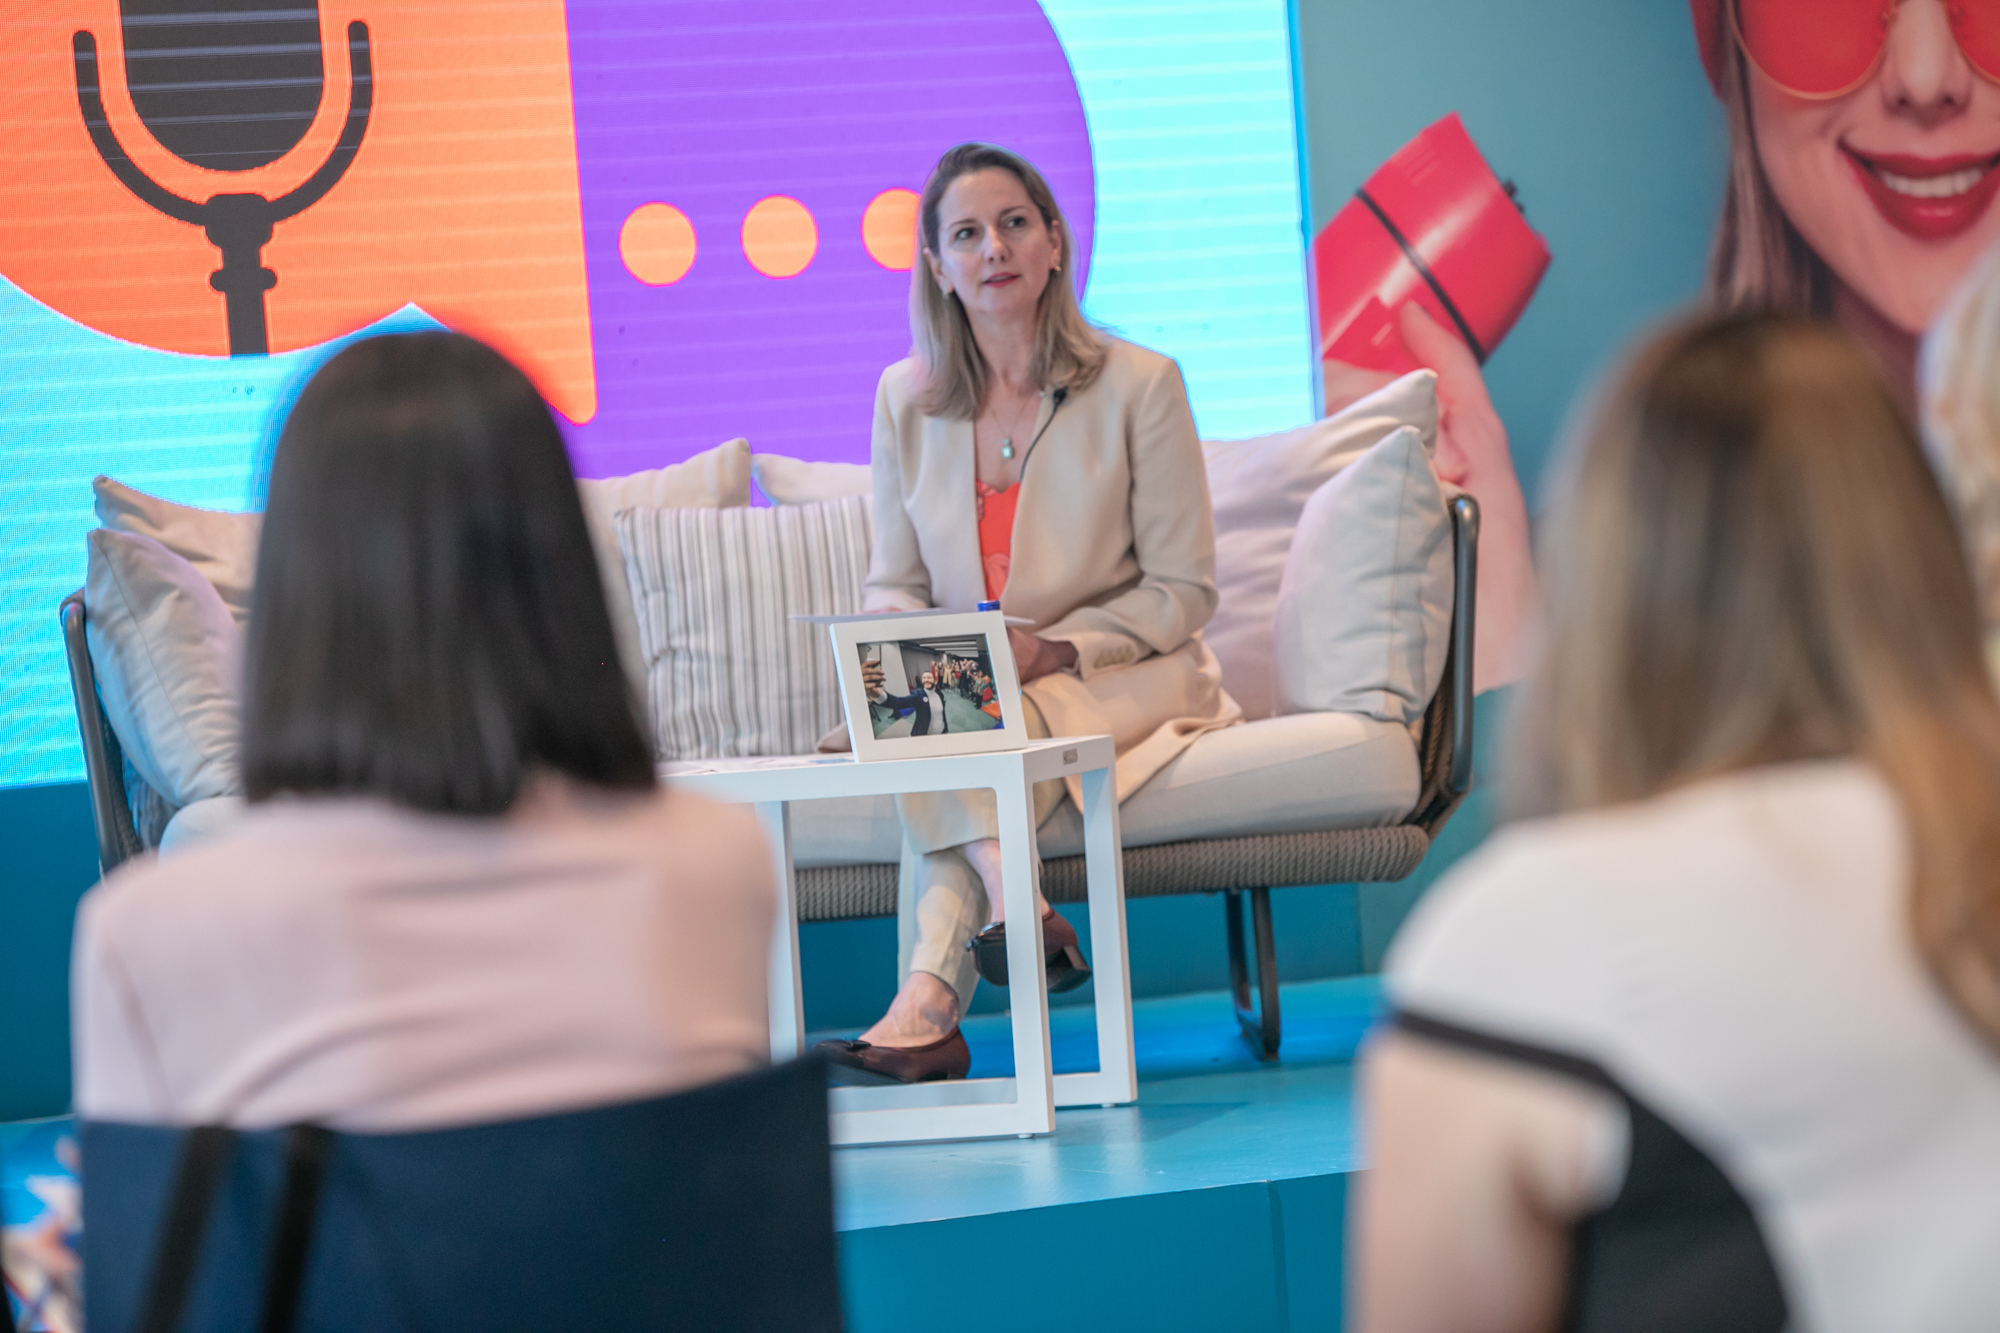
[48, 857]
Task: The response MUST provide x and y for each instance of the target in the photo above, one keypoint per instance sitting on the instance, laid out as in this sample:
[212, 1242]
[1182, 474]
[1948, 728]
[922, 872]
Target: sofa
[1344, 629]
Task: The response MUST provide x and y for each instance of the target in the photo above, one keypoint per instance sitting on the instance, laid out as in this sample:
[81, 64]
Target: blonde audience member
[458, 895]
[1712, 1041]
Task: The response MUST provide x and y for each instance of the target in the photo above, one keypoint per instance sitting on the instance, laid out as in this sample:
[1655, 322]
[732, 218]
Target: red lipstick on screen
[1930, 198]
[1433, 225]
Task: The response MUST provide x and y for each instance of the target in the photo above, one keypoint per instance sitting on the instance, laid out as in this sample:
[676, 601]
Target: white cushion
[1281, 775]
[1259, 487]
[201, 821]
[1364, 608]
[794, 481]
[717, 478]
[167, 655]
[223, 546]
[728, 671]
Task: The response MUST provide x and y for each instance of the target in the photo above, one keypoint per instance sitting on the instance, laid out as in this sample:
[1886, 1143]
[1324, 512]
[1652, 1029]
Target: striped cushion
[728, 672]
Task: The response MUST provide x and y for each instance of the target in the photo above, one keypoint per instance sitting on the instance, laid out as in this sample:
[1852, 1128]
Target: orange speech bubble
[462, 198]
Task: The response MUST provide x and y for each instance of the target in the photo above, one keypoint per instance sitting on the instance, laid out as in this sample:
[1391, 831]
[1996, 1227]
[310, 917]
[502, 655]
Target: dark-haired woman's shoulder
[707, 857]
[696, 838]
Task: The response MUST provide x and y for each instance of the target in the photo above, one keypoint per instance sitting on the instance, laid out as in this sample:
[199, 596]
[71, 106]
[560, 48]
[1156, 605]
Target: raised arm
[1173, 539]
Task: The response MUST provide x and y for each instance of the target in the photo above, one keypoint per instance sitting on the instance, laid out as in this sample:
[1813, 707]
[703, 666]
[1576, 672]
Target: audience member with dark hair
[458, 895]
[1713, 1040]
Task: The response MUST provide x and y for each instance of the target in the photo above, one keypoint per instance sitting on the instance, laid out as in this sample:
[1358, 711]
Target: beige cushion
[728, 671]
[1364, 608]
[794, 481]
[1259, 488]
[717, 478]
[167, 655]
[1282, 775]
[223, 546]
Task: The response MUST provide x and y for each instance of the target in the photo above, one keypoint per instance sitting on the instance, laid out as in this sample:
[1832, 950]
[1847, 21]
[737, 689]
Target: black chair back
[1445, 750]
[710, 1210]
[103, 759]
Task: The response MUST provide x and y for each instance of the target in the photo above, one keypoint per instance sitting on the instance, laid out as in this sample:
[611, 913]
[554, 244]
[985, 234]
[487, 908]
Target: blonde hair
[1759, 260]
[1753, 564]
[1069, 352]
[1959, 399]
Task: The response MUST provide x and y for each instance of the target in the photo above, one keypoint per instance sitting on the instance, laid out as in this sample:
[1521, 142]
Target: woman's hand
[1473, 454]
[1035, 657]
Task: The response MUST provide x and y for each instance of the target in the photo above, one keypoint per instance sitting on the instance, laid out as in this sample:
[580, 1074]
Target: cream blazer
[1113, 550]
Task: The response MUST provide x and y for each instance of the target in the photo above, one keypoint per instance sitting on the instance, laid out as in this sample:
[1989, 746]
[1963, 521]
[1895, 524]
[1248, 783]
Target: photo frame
[920, 683]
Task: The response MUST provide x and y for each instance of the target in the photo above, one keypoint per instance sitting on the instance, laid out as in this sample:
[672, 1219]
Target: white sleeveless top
[1814, 1133]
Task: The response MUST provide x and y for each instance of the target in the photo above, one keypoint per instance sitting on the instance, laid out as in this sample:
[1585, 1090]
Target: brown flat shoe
[947, 1057]
[1067, 970]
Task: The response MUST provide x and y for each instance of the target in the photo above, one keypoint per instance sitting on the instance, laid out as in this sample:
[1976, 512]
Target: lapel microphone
[1056, 401]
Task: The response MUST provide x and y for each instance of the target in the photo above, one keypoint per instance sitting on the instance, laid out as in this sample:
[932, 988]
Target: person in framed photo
[925, 705]
[1023, 456]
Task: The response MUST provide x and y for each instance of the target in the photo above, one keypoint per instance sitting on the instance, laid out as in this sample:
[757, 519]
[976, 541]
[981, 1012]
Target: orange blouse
[996, 534]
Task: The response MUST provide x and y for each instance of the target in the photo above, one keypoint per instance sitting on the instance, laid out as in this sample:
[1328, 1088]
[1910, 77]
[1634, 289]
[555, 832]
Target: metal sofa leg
[1259, 1022]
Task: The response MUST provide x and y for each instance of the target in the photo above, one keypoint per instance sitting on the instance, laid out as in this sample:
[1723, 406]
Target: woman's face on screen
[993, 248]
[1892, 184]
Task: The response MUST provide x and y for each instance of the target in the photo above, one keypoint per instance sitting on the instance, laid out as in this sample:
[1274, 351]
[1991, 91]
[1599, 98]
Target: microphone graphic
[231, 85]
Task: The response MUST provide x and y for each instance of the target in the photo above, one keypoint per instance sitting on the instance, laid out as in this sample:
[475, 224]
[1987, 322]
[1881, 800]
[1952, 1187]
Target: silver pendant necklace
[1007, 441]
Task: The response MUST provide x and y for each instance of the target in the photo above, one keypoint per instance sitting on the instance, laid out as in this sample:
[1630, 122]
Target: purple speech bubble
[710, 106]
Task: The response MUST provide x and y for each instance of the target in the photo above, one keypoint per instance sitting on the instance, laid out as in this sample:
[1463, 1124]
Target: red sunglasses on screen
[1824, 48]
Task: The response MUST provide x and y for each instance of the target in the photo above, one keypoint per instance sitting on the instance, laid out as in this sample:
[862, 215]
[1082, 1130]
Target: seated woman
[1022, 456]
[1714, 1042]
[458, 894]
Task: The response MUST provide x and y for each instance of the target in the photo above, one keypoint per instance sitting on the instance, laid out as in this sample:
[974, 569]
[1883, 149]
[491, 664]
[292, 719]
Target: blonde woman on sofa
[1023, 456]
[1713, 1040]
[457, 895]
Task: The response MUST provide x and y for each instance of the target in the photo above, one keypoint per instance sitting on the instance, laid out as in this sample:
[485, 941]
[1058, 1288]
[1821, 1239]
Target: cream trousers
[940, 901]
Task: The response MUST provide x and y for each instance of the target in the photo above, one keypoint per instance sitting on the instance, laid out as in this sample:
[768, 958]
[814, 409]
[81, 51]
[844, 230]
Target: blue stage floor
[1216, 1202]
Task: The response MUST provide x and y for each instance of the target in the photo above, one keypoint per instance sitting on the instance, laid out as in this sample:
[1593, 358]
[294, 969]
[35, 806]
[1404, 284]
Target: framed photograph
[928, 683]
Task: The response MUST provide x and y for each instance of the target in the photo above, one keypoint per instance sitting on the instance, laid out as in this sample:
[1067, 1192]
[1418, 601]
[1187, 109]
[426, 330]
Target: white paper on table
[1022, 621]
[681, 768]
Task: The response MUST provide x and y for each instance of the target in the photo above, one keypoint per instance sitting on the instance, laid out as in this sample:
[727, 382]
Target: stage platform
[1217, 1202]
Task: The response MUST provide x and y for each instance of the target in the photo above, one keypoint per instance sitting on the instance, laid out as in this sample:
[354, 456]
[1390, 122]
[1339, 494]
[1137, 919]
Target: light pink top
[363, 966]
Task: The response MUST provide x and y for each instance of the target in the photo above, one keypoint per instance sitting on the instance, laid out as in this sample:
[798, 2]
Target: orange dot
[657, 244]
[889, 229]
[779, 236]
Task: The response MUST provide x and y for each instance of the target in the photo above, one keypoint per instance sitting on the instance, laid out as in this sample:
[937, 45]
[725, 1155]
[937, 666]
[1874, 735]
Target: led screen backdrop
[688, 221]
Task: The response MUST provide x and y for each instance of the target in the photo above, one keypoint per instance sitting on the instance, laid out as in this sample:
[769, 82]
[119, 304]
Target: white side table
[965, 1108]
